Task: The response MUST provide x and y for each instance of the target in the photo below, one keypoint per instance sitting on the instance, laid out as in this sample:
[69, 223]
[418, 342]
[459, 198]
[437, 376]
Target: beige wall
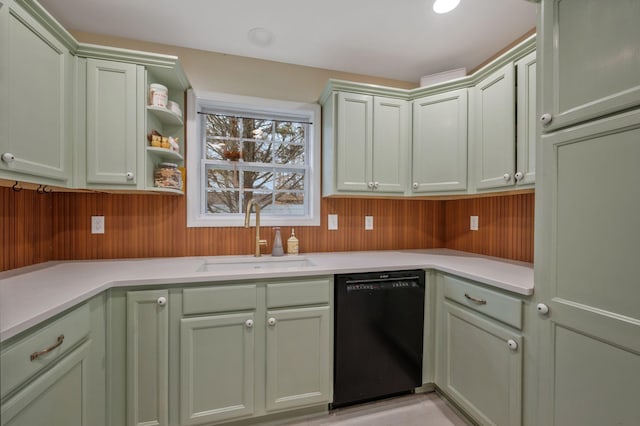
[218, 72]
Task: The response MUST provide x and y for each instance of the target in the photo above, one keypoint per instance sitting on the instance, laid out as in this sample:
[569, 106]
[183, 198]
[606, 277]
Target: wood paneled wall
[25, 228]
[155, 226]
[36, 227]
[505, 226]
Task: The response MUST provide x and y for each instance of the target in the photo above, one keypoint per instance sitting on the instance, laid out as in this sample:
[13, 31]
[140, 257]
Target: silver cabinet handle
[475, 300]
[271, 321]
[370, 185]
[506, 177]
[415, 185]
[546, 119]
[512, 344]
[38, 354]
[162, 301]
[519, 176]
[249, 323]
[375, 185]
[8, 157]
[129, 175]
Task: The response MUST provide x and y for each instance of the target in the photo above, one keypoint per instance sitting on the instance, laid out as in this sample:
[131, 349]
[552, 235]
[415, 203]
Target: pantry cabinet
[586, 249]
[36, 101]
[366, 142]
[591, 69]
[439, 145]
[479, 362]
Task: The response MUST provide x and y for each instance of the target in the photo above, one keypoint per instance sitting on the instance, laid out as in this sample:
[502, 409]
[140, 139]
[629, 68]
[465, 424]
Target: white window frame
[203, 100]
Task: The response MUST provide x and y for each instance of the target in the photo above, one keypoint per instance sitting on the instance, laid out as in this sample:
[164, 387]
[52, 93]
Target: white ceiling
[401, 39]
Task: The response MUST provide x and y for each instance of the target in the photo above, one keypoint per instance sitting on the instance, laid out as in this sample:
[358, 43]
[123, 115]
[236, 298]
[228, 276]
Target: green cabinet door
[57, 397]
[114, 128]
[299, 354]
[147, 363]
[390, 149]
[216, 368]
[589, 56]
[526, 121]
[439, 149]
[494, 130]
[36, 79]
[480, 366]
[372, 144]
[587, 274]
[353, 156]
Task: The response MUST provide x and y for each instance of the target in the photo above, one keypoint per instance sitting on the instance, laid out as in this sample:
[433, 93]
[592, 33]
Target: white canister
[175, 108]
[158, 95]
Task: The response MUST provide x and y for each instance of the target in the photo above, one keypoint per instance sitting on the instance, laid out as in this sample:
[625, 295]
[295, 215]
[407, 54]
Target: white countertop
[33, 294]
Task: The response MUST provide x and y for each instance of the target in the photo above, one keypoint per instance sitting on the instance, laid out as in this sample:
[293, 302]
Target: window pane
[257, 152]
[287, 203]
[256, 129]
[290, 154]
[264, 199]
[222, 179]
[222, 202]
[258, 180]
[223, 149]
[289, 181]
[222, 125]
[290, 132]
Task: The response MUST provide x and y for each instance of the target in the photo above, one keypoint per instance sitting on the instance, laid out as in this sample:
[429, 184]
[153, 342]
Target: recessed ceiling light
[444, 6]
[261, 37]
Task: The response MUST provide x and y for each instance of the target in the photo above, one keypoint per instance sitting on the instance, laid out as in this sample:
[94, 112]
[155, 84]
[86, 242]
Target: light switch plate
[473, 225]
[332, 223]
[97, 224]
[368, 223]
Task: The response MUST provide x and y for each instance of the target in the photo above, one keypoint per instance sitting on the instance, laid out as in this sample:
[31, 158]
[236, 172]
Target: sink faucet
[247, 217]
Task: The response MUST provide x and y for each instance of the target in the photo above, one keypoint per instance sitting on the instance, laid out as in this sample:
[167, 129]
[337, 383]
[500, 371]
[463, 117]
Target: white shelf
[165, 116]
[165, 154]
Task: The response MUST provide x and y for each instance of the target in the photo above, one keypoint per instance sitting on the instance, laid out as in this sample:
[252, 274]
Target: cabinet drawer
[295, 293]
[16, 364]
[222, 298]
[491, 303]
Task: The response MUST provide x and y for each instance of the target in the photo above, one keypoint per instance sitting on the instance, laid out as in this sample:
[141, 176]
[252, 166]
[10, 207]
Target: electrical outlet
[332, 224]
[97, 224]
[368, 223]
[473, 225]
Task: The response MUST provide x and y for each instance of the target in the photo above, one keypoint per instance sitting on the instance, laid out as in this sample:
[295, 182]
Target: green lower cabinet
[58, 397]
[147, 356]
[216, 368]
[480, 366]
[298, 360]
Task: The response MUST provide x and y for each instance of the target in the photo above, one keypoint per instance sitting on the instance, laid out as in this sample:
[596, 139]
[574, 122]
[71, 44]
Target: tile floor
[418, 409]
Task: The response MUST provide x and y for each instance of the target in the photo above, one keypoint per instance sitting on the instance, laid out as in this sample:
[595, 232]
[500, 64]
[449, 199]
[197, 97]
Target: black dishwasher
[378, 335]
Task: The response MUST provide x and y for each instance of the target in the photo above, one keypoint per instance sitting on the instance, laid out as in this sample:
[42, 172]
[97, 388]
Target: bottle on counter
[293, 246]
[277, 244]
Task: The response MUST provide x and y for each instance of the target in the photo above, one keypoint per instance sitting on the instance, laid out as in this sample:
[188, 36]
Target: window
[243, 148]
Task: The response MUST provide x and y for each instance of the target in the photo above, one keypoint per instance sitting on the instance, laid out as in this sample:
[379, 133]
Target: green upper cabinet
[439, 146]
[366, 149]
[590, 59]
[493, 129]
[36, 87]
[526, 120]
[114, 126]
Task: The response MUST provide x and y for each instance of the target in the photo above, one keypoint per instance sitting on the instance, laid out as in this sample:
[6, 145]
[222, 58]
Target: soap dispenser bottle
[293, 246]
[277, 244]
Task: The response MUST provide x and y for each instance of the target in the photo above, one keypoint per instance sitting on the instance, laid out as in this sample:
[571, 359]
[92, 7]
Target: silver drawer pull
[474, 300]
[37, 355]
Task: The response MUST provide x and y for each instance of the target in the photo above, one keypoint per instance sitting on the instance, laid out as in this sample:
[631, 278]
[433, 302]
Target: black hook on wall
[16, 187]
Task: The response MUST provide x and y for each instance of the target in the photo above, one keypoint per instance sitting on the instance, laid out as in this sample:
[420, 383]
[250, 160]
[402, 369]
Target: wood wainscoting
[40, 227]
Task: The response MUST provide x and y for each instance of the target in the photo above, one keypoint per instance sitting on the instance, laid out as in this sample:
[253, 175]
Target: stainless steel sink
[247, 264]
